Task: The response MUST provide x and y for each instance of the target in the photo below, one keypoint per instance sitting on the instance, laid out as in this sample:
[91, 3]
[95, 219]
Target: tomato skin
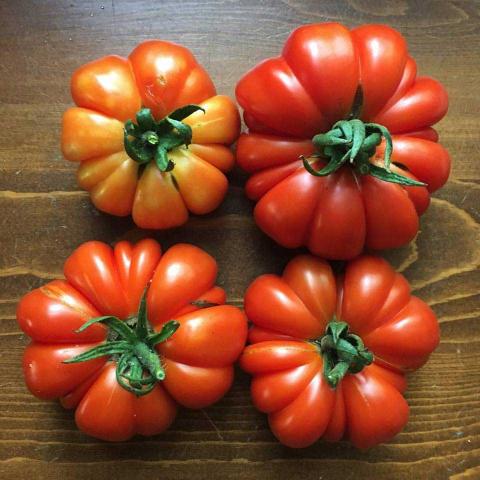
[116, 97]
[335, 50]
[423, 158]
[54, 311]
[365, 395]
[184, 274]
[288, 312]
[303, 92]
[111, 413]
[204, 338]
[161, 76]
[45, 374]
[162, 70]
[100, 280]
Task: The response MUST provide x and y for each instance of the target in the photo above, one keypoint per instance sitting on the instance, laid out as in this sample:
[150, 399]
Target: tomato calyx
[342, 352]
[354, 142]
[149, 139]
[132, 345]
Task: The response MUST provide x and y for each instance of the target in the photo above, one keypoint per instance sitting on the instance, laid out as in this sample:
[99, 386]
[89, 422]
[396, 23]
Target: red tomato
[193, 368]
[327, 74]
[314, 382]
[160, 178]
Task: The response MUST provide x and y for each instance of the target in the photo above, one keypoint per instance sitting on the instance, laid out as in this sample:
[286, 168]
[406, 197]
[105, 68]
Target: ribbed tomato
[151, 135]
[323, 118]
[329, 353]
[125, 360]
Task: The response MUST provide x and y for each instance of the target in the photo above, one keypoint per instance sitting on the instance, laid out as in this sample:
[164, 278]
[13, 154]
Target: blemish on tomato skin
[57, 294]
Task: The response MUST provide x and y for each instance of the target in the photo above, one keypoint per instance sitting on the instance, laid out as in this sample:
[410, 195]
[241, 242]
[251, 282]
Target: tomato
[329, 352]
[172, 160]
[125, 360]
[323, 119]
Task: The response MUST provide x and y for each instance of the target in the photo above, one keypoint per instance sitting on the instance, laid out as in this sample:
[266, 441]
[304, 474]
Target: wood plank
[44, 216]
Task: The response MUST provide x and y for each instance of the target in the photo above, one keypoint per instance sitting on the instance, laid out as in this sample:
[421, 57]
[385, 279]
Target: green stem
[342, 352]
[150, 360]
[148, 139]
[336, 374]
[355, 142]
[132, 346]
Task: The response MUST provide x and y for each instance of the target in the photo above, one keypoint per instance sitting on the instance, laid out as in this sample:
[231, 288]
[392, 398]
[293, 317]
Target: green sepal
[184, 112]
[392, 177]
[326, 151]
[136, 149]
[168, 329]
[328, 364]
[356, 341]
[346, 128]
[149, 139]
[170, 140]
[342, 352]
[133, 372]
[371, 142]
[145, 120]
[109, 348]
[366, 356]
[131, 385]
[136, 375]
[162, 161]
[345, 350]
[357, 141]
[363, 359]
[358, 137]
[323, 140]
[184, 130]
[142, 327]
[138, 365]
[132, 129]
[388, 142]
[113, 323]
[336, 329]
[332, 166]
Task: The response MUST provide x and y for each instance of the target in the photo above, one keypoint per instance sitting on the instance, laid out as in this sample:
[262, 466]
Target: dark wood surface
[44, 217]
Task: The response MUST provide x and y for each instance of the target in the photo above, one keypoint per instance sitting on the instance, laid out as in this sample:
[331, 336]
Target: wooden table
[45, 216]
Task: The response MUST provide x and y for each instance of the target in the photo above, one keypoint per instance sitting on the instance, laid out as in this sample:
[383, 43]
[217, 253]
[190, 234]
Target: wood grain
[44, 217]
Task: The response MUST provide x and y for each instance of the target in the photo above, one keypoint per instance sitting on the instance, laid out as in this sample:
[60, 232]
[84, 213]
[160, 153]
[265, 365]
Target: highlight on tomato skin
[340, 147]
[151, 135]
[129, 335]
[329, 352]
